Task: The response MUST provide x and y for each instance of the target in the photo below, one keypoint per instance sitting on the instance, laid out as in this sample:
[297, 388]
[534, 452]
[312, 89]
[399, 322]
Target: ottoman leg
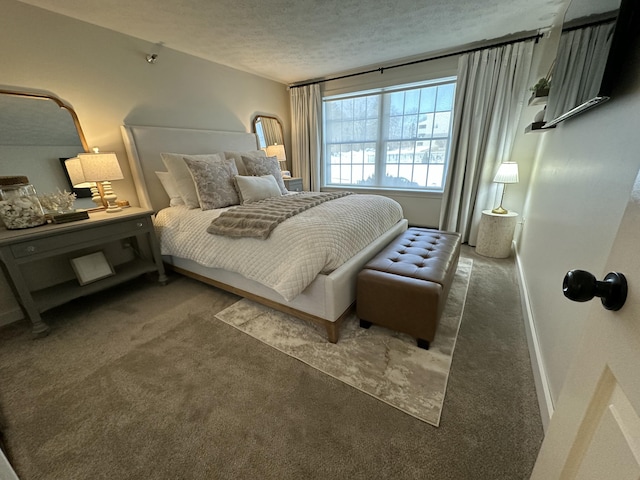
[365, 324]
[423, 344]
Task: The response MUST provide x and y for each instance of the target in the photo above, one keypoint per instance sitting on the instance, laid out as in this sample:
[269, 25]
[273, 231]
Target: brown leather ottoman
[405, 286]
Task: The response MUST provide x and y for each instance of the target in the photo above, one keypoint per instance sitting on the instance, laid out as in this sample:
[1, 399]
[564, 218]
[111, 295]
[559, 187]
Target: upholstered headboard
[144, 145]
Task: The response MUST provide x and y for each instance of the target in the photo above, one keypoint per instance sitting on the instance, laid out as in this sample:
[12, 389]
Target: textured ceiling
[296, 40]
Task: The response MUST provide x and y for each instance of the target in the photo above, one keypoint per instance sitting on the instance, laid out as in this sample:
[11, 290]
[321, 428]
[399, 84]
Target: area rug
[384, 364]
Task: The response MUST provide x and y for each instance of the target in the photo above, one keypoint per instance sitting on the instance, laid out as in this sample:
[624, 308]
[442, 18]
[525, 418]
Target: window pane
[360, 108]
[359, 129]
[397, 103]
[407, 150]
[347, 109]
[436, 176]
[411, 128]
[445, 97]
[373, 105]
[441, 123]
[371, 129]
[393, 152]
[427, 100]
[332, 131]
[334, 154]
[411, 102]
[395, 128]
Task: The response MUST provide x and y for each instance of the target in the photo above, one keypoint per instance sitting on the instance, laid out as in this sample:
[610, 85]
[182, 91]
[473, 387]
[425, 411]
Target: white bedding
[318, 240]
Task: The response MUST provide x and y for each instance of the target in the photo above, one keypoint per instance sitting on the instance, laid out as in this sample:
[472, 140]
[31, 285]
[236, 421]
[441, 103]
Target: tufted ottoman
[405, 286]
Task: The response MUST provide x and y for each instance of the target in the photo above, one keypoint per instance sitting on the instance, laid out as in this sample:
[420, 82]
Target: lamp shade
[507, 173]
[277, 151]
[74, 169]
[99, 167]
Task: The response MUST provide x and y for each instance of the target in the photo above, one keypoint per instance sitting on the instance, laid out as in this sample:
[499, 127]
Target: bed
[323, 294]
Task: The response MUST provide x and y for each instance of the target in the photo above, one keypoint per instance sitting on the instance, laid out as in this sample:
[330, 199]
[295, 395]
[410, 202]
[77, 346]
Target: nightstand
[293, 184]
[37, 260]
[495, 234]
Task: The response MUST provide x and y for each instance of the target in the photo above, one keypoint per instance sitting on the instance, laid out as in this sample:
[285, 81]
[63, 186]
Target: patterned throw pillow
[182, 176]
[214, 180]
[237, 157]
[265, 166]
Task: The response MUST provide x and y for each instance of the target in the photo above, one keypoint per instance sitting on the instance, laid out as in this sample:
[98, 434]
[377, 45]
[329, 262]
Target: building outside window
[395, 138]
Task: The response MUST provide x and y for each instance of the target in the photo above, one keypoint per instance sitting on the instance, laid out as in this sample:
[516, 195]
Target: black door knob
[582, 286]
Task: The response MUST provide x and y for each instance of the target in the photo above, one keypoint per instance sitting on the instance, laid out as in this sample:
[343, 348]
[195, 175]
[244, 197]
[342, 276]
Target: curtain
[306, 124]
[490, 93]
[582, 56]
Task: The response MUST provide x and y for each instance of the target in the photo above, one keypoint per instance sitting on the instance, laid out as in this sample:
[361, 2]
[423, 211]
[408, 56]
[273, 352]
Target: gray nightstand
[293, 184]
[126, 238]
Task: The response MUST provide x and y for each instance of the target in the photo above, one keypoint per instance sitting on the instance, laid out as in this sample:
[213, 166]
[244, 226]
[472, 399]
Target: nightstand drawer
[54, 242]
[293, 184]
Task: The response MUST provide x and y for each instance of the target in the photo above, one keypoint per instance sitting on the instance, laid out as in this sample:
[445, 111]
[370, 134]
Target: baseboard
[11, 316]
[543, 390]
[6, 472]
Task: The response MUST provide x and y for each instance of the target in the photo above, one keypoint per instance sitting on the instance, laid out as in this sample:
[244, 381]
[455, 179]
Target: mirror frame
[57, 101]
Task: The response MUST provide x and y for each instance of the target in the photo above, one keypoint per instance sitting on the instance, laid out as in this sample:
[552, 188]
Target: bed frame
[326, 301]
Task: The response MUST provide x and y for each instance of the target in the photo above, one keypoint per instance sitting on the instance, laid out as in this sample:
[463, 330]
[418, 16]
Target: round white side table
[496, 234]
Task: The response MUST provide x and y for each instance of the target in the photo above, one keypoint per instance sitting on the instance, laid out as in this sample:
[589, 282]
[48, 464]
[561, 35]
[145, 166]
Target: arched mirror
[268, 130]
[36, 132]
[270, 137]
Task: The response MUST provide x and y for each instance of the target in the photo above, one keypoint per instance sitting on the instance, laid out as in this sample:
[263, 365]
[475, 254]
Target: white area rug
[387, 365]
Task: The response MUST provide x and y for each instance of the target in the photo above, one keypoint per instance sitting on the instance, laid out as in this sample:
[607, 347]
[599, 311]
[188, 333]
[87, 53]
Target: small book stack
[69, 216]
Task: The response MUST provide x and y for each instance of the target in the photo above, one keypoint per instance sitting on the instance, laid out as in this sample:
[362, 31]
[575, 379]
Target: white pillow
[170, 187]
[237, 157]
[213, 177]
[252, 189]
[182, 176]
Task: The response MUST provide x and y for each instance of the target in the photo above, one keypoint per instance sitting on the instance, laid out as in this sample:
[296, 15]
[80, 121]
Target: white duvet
[318, 240]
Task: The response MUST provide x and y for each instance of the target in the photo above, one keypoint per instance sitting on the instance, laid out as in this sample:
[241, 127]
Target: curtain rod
[535, 37]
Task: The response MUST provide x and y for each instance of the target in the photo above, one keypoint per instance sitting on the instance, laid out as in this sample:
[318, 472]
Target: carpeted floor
[142, 382]
[387, 365]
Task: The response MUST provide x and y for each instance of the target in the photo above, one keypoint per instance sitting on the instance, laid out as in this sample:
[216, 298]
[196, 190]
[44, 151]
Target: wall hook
[151, 58]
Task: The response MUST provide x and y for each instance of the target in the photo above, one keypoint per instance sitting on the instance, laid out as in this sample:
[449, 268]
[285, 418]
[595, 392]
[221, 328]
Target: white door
[595, 430]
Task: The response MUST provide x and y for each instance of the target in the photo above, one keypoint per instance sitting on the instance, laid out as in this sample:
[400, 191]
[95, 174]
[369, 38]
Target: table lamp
[507, 173]
[100, 167]
[76, 177]
[277, 151]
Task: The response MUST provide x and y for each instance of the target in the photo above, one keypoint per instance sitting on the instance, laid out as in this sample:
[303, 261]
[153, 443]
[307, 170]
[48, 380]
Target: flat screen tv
[591, 51]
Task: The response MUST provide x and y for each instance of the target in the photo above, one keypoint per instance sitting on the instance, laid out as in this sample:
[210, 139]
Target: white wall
[579, 188]
[104, 76]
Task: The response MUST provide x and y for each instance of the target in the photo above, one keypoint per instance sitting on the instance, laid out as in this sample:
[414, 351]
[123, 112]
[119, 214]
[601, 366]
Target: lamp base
[499, 210]
[110, 197]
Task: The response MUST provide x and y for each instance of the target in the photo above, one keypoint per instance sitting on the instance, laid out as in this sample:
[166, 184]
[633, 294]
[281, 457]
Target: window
[392, 138]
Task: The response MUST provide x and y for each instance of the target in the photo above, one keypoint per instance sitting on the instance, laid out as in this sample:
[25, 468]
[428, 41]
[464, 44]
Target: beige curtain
[490, 92]
[582, 56]
[306, 124]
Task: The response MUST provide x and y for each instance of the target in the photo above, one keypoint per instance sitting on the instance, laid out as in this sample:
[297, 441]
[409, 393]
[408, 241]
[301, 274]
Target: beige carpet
[387, 365]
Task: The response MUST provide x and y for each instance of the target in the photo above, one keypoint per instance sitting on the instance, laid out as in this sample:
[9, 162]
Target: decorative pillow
[252, 189]
[213, 177]
[237, 157]
[265, 166]
[169, 185]
[182, 176]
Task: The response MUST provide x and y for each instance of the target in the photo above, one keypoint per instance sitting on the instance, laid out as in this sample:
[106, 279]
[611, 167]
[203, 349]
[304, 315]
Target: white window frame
[380, 141]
